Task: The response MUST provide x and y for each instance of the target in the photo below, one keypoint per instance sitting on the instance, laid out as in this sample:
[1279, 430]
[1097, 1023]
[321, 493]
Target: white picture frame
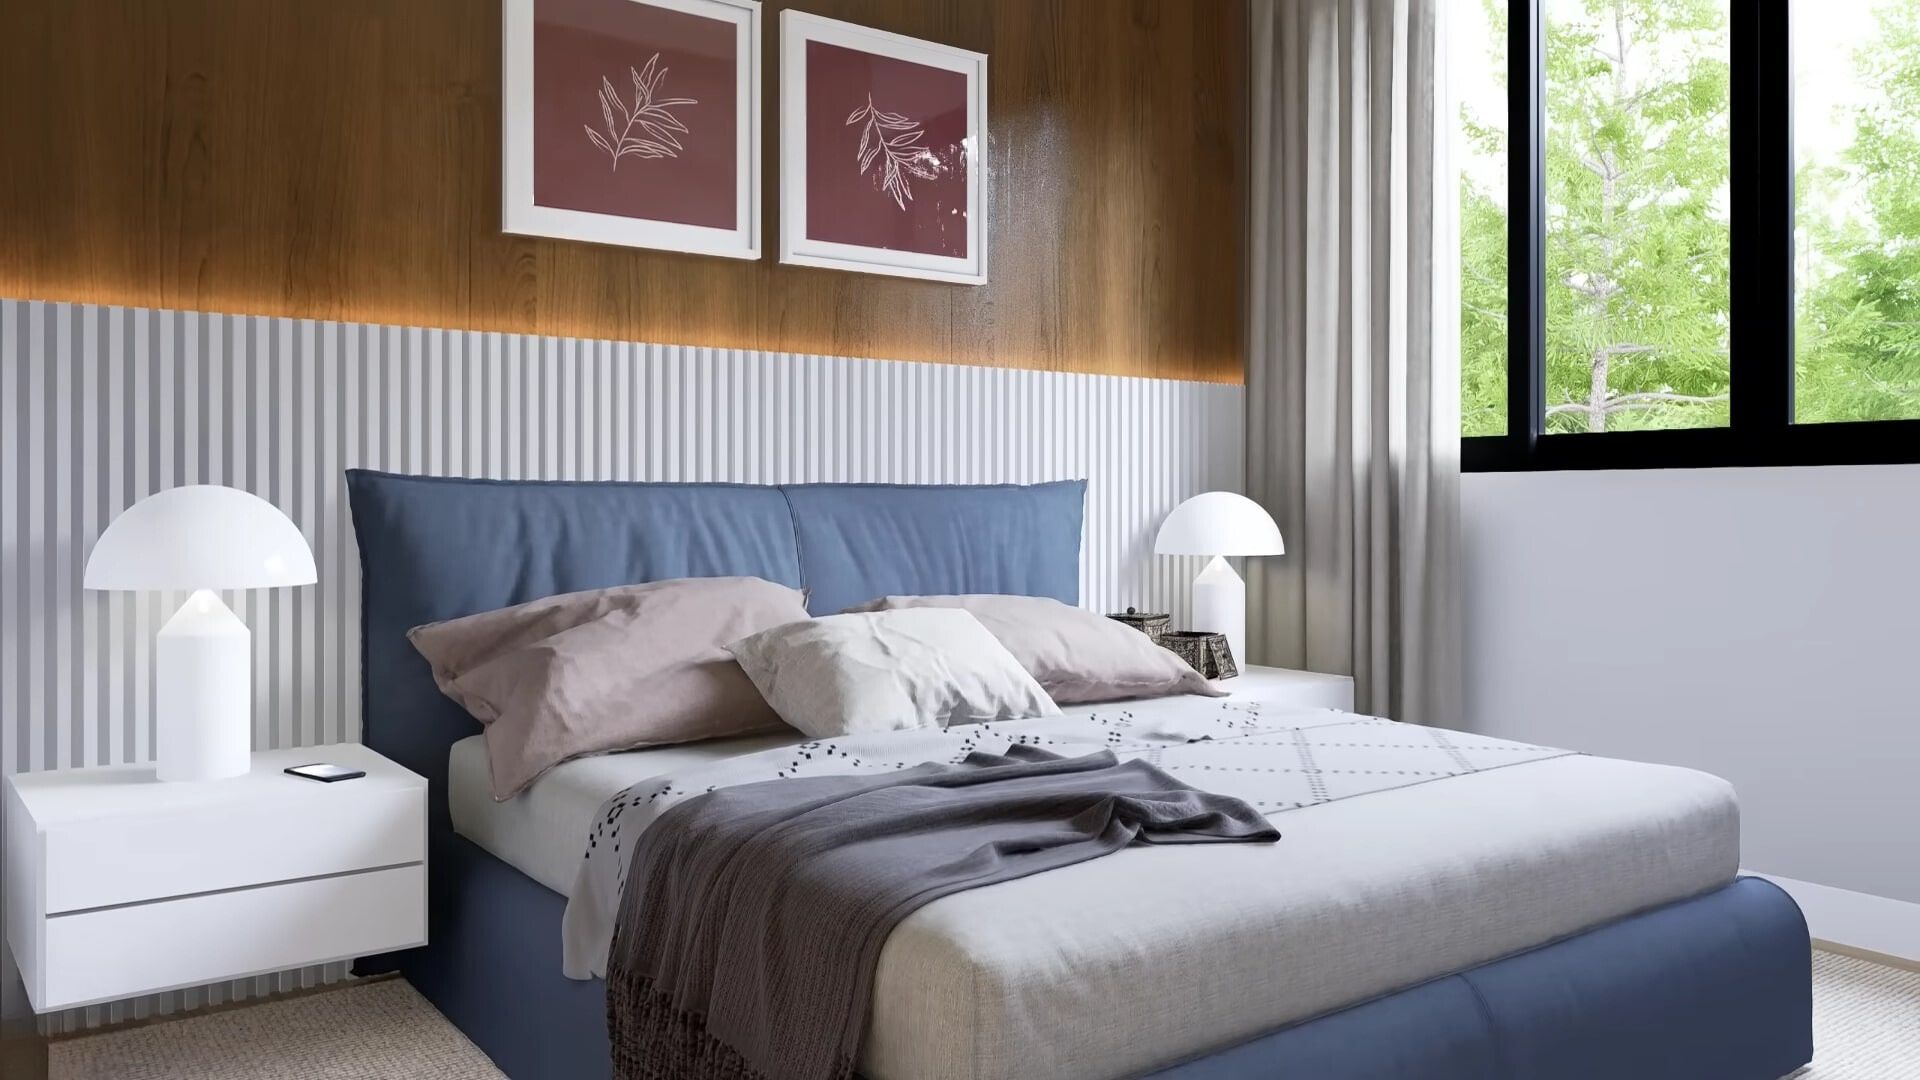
[521, 215]
[796, 247]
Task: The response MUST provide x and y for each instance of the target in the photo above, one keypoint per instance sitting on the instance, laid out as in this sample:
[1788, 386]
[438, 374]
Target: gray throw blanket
[753, 916]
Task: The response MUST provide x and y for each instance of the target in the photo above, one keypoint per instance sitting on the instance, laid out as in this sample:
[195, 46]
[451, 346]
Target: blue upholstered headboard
[435, 548]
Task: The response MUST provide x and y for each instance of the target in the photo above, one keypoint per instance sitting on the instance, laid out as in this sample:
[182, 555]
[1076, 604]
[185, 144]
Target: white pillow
[888, 671]
[1075, 654]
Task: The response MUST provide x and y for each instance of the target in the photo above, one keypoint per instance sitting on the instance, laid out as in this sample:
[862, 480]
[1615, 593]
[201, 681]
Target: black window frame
[1761, 429]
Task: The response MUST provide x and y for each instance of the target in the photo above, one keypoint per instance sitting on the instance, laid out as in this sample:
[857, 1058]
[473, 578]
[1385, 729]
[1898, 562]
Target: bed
[1573, 917]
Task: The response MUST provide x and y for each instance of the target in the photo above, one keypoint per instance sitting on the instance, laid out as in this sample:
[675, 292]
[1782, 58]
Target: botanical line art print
[668, 95]
[658, 125]
[881, 145]
[900, 153]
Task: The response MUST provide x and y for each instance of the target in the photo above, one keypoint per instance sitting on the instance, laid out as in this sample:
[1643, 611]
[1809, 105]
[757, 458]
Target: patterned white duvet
[1406, 853]
[1276, 758]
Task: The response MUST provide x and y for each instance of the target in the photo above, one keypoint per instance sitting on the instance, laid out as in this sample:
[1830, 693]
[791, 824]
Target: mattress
[1124, 964]
[542, 830]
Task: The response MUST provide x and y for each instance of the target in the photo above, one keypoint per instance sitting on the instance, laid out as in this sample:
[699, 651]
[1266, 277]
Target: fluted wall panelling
[100, 406]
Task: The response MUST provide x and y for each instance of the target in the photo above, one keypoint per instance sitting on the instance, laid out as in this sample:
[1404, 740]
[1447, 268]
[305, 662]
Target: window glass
[1637, 214]
[1477, 65]
[1857, 208]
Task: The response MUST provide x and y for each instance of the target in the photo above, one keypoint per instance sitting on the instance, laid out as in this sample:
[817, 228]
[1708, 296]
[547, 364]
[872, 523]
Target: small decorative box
[1208, 654]
[1154, 626]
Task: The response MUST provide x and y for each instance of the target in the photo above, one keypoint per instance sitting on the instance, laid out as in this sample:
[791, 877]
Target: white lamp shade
[1219, 523]
[202, 536]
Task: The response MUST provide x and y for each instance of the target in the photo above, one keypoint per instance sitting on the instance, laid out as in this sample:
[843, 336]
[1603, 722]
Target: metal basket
[1208, 654]
[1154, 626]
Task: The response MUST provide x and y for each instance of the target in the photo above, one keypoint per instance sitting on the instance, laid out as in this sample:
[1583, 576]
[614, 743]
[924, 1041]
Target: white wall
[1761, 624]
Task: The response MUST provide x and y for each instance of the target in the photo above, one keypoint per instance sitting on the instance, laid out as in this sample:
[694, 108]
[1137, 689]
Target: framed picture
[633, 122]
[882, 148]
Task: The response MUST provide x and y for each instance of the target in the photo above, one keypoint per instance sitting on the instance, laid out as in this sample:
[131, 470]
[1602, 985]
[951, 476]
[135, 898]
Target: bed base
[1718, 987]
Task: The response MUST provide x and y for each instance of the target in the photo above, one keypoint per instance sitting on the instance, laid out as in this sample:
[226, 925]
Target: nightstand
[1308, 689]
[120, 885]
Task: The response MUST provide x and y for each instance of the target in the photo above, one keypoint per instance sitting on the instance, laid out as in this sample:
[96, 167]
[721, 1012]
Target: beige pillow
[1077, 655]
[609, 669]
[888, 671]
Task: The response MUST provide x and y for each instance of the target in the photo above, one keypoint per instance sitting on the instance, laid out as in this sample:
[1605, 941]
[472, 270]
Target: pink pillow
[608, 669]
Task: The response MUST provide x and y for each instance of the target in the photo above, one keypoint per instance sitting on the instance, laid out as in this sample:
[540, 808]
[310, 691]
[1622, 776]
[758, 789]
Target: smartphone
[326, 774]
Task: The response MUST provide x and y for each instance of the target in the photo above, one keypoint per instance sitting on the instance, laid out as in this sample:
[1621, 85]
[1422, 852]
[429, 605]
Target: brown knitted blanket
[753, 916]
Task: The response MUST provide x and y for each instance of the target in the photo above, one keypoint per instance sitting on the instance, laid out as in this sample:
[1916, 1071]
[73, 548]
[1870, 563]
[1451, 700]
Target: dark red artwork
[886, 152]
[634, 111]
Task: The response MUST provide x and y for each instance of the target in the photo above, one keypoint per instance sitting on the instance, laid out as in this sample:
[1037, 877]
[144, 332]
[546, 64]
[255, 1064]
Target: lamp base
[1220, 605]
[203, 692]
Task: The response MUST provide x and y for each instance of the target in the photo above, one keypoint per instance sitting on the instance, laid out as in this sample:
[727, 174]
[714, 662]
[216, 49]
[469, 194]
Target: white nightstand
[1309, 689]
[120, 885]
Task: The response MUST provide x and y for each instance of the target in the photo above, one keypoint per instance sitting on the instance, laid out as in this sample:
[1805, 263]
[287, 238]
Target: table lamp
[201, 537]
[1220, 523]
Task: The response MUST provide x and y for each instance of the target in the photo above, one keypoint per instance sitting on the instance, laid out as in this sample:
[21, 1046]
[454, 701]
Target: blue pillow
[862, 541]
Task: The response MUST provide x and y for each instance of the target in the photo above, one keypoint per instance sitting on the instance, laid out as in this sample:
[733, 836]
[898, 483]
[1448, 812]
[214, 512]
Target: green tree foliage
[1636, 170]
[1637, 230]
[1483, 267]
[1483, 289]
[1858, 326]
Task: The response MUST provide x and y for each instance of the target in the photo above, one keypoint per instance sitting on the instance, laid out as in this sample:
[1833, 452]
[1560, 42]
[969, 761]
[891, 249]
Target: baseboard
[1857, 922]
[348, 983]
[1868, 955]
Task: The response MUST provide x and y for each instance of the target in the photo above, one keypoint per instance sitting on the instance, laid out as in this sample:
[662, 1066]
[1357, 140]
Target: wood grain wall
[339, 159]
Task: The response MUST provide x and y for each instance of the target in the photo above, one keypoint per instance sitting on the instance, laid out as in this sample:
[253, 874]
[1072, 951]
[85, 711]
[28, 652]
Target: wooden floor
[23, 1054]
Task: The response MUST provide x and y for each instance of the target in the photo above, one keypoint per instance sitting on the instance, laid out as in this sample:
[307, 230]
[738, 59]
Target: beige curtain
[1353, 410]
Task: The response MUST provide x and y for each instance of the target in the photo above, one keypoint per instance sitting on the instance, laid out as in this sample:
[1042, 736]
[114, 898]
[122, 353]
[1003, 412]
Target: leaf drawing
[894, 142]
[659, 132]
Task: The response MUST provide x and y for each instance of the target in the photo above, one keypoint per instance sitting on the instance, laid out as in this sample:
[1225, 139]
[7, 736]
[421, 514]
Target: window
[1656, 270]
[1636, 225]
[1856, 118]
[1479, 31]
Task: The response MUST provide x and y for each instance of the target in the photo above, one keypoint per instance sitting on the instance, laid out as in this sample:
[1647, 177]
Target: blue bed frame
[1717, 987]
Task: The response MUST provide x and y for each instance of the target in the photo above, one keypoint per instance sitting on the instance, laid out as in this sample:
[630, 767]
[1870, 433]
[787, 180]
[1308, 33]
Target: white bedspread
[543, 830]
[1383, 878]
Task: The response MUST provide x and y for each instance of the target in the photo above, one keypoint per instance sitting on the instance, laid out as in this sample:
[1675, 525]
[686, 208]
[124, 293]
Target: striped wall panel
[100, 406]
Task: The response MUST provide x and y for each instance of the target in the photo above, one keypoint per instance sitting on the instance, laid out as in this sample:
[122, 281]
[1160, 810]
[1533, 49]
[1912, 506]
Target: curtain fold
[1353, 385]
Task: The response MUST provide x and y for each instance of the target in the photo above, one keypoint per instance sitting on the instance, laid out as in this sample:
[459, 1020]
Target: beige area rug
[1866, 1027]
[1866, 1021]
[382, 1030]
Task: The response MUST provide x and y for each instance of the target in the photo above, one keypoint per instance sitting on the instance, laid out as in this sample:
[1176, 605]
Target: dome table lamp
[1220, 523]
[201, 537]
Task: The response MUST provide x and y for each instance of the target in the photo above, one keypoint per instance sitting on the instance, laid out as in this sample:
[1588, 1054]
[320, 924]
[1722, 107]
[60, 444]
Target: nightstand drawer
[122, 860]
[119, 952]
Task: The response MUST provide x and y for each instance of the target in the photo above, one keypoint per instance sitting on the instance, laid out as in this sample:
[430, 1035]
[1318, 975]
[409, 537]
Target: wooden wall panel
[339, 159]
